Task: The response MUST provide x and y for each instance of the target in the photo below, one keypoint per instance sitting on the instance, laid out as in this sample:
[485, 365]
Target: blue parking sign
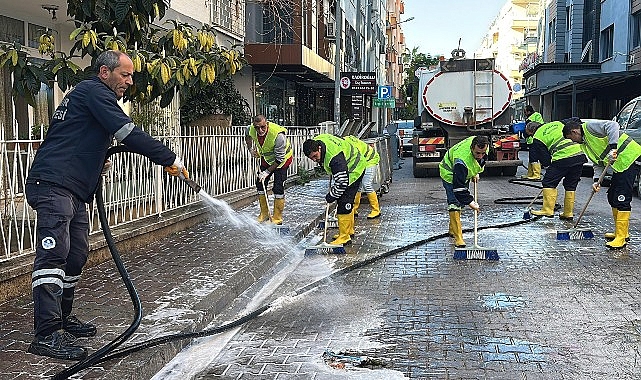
[384, 92]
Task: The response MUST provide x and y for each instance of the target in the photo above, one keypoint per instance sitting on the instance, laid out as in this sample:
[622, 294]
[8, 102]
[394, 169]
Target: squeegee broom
[527, 214]
[279, 228]
[581, 233]
[476, 252]
[324, 247]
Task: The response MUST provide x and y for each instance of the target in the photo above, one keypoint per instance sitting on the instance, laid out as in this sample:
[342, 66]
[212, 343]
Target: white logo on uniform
[348, 206]
[621, 198]
[48, 243]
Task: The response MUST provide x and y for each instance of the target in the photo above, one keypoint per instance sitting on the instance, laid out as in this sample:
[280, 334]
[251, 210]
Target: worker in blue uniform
[62, 180]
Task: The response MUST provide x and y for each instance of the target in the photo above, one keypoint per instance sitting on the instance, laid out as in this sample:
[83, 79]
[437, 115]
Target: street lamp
[400, 22]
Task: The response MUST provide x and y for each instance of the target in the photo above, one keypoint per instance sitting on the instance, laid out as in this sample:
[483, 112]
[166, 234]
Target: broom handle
[598, 182]
[326, 217]
[535, 198]
[267, 199]
[476, 215]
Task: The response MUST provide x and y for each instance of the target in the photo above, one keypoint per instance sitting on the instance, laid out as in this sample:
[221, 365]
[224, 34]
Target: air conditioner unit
[330, 30]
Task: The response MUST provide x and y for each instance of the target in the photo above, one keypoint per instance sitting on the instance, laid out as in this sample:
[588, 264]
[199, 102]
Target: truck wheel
[509, 171]
[418, 172]
[433, 173]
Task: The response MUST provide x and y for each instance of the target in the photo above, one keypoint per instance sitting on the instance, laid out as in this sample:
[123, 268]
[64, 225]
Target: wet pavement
[548, 309]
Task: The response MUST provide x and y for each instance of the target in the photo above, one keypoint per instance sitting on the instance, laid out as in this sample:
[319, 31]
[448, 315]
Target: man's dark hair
[259, 118]
[310, 146]
[529, 109]
[531, 127]
[570, 124]
[480, 142]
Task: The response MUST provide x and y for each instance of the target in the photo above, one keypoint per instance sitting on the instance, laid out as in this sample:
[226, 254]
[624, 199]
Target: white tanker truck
[460, 98]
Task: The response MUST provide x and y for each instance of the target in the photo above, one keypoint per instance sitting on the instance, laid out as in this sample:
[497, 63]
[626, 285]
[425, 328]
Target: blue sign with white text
[384, 92]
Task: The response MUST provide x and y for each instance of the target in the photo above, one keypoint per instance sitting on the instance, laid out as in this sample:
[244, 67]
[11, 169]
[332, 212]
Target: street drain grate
[351, 358]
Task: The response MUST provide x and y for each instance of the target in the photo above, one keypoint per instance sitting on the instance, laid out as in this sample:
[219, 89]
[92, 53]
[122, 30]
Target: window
[552, 31]
[607, 42]
[11, 30]
[636, 30]
[35, 31]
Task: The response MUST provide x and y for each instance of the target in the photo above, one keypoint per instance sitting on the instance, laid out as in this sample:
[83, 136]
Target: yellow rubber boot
[455, 220]
[620, 230]
[351, 228]
[352, 225]
[536, 172]
[357, 203]
[264, 210]
[529, 172]
[376, 208]
[344, 225]
[612, 235]
[279, 206]
[568, 206]
[549, 200]
[452, 229]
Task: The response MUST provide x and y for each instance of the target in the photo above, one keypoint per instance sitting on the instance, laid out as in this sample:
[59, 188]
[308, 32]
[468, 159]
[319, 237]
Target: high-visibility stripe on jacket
[461, 152]
[266, 150]
[551, 135]
[597, 149]
[370, 154]
[335, 145]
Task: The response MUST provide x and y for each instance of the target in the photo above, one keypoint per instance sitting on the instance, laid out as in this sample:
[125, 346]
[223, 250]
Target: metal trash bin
[383, 174]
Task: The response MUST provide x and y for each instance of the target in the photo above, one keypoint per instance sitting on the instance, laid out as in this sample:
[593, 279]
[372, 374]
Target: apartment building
[591, 51]
[512, 38]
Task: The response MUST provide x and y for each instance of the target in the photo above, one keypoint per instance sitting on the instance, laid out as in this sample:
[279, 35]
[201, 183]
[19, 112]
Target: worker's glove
[253, 151]
[177, 169]
[475, 178]
[612, 156]
[262, 176]
[106, 168]
[596, 186]
[329, 198]
[474, 206]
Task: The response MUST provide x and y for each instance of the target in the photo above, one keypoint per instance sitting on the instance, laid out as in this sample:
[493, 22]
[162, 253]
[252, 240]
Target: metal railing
[135, 188]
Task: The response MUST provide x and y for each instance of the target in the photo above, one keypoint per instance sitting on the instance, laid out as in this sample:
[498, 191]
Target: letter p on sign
[384, 92]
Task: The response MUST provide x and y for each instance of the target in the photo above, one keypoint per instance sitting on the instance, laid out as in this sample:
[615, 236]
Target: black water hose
[109, 351]
[97, 356]
[257, 312]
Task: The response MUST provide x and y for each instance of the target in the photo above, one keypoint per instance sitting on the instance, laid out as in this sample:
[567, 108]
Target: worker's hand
[253, 151]
[612, 156]
[329, 198]
[106, 168]
[475, 178]
[596, 187]
[474, 206]
[177, 169]
[262, 176]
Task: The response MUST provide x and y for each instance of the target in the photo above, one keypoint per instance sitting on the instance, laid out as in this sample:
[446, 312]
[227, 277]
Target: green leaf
[121, 9]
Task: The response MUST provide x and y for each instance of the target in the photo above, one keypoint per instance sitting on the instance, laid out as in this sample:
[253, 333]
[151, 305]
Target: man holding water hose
[62, 181]
[603, 144]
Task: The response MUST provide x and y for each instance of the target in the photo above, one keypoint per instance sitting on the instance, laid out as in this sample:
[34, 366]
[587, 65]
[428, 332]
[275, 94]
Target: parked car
[404, 130]
[629, 118]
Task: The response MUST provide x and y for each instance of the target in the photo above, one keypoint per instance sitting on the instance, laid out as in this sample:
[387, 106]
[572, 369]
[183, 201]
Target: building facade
[513, 38]
[591, 51]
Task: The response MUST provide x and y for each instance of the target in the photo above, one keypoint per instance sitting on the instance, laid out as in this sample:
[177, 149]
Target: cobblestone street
[548, 309]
